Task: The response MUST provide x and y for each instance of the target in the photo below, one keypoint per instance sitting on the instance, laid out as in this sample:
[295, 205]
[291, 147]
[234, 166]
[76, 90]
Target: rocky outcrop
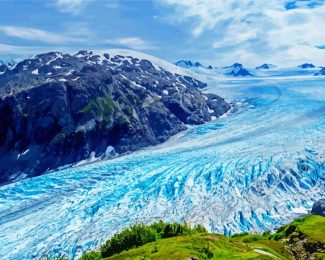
[319, 208]
[58, 109]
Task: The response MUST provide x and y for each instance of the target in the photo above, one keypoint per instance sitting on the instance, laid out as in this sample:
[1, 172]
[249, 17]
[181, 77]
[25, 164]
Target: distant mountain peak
[306, 66]
[236, 70]
[191, 64]
[188, 64]
[265, 66]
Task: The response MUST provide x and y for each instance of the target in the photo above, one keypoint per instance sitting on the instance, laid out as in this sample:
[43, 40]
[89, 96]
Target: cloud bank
[254, 31]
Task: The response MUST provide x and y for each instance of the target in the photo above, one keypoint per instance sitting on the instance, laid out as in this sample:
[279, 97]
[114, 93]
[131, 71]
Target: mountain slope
[58, 109]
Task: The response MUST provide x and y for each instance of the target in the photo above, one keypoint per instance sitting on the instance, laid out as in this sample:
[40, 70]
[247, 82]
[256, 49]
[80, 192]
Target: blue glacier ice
[254, 169]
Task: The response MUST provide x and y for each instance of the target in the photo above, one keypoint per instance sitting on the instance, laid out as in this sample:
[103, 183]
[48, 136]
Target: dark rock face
[57, 109]
[319, 208]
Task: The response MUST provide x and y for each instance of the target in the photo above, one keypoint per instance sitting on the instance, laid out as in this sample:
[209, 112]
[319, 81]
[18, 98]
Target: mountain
[9, 62]
[236, 70]
[321, 72]
[265, 66]
[306, 66]
[187, 64]
[5, 65]
[58, 109]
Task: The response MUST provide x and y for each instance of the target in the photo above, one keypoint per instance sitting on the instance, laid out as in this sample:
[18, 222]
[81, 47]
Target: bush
[206, 251]
[266, 233]
[138, 235]
[134, 236]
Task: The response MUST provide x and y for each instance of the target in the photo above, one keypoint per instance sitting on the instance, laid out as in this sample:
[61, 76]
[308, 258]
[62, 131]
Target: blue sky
[217, 32]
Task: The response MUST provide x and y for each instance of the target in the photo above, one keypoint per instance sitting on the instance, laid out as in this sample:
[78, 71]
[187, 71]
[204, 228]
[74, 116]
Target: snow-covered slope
[158, 63]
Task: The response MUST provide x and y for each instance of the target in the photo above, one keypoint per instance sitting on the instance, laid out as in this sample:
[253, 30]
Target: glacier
[256, 168]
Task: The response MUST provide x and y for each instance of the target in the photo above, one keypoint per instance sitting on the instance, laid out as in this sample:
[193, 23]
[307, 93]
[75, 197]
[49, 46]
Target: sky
[217, 32]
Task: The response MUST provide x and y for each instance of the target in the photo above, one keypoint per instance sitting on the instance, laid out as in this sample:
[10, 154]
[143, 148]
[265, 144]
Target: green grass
[202, 245]
[312, 227]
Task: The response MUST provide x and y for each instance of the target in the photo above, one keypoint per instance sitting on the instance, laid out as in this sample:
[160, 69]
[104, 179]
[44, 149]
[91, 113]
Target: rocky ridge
[58, 109]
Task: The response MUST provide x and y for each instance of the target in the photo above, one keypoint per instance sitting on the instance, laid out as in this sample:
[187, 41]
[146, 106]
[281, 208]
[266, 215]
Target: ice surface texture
[259, 167]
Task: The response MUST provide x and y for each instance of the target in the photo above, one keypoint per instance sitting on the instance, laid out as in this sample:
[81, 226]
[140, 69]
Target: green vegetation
[141, 234]
[304, 238]
[311, 226]
[103, 106]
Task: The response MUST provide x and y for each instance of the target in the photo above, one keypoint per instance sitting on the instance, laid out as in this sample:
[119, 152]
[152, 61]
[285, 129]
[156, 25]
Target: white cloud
[255, 31]
[76, 6]
[36, 35]
[71, 6]
[131, 42]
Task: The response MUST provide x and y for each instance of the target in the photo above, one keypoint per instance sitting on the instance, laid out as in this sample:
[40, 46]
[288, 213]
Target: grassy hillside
[302, 239]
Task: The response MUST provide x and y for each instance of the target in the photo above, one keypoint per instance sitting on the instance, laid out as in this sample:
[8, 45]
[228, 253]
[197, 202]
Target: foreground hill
[302, 239]
[58, 109]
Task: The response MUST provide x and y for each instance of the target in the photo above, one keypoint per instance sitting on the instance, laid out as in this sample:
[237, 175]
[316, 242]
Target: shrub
[206, 251]
[141, 234]
[134, 236]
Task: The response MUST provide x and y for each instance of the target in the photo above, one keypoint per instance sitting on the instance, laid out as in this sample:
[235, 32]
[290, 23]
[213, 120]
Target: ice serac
[58, 109]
